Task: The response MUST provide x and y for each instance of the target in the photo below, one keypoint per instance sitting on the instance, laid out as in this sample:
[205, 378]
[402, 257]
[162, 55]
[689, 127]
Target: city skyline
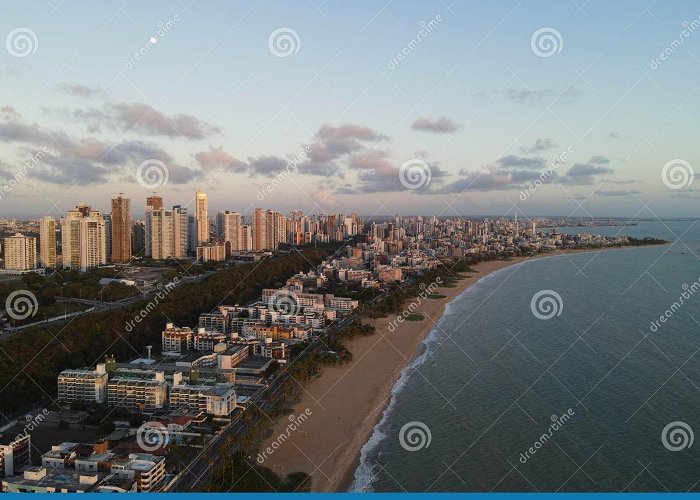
[485, 122]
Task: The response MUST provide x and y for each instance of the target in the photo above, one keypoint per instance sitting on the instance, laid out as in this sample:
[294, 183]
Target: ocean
[556, 375]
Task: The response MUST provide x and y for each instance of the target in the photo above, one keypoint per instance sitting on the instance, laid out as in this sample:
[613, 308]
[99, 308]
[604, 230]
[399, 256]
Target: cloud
[9, 113]
[441, 125]
[542, 144]
[543, 96]
[267, 165]
[12, 131]
[145, 119]
[376, 173]
[616, 193]
[330, 143]
[217, 158]
[587, 170]
[78, 90]
[599, 160]
[478, 181]
[513, 161]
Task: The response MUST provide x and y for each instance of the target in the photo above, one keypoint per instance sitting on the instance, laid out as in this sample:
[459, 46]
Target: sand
[346, 401]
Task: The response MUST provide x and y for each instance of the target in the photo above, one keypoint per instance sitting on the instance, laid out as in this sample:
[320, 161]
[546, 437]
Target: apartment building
[137, 389]
[84, 238]
[121, 229]
[176, 339]
[206, 340]
[85, 385]
[15, 453]
[20, 252]
[47, 242]
[145, 470]
[218, 400]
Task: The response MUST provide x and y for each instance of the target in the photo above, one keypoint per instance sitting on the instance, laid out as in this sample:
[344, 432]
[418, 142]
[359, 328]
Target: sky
[450, 108]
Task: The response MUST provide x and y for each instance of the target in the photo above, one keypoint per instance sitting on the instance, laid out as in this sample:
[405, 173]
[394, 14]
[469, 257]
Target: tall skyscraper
[191, 233]
[180, 232]
[84, 242]
[259, 233]
[297, 231]
[47, 241]
[121, 229]
[20, 252]
[228, 230]
[159, 233]
[201, 214]
[246, 238]
[108, 235]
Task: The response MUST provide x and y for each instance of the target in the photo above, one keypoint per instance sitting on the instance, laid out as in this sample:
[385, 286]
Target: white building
[84, 239]
[20, 252]
[145, 391]
[159, 233]
[218, 400]
[85, 385]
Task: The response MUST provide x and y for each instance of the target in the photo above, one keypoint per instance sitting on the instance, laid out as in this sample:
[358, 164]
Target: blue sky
[472, 103]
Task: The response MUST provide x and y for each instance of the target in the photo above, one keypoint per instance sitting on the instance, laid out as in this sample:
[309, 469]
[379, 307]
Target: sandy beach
[346, 401]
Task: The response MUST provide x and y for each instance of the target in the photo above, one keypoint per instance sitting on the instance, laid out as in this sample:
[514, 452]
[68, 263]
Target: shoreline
[328, 445]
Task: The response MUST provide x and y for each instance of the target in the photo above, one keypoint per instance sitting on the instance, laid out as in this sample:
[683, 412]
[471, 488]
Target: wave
[370, 453]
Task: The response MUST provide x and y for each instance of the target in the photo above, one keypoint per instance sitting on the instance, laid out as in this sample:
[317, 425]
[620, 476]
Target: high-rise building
[259, 233]
[228, 230]
[20, 252]
[201, 214]
[138, 238]
[269, 229]
[47, 241]
[180, 232]
[93, 242]
[108, 235]
[84, 242]
[296, 236]
[121, 229]
[246, 238]
[191, 233]
[159, 233]
[155, 202]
